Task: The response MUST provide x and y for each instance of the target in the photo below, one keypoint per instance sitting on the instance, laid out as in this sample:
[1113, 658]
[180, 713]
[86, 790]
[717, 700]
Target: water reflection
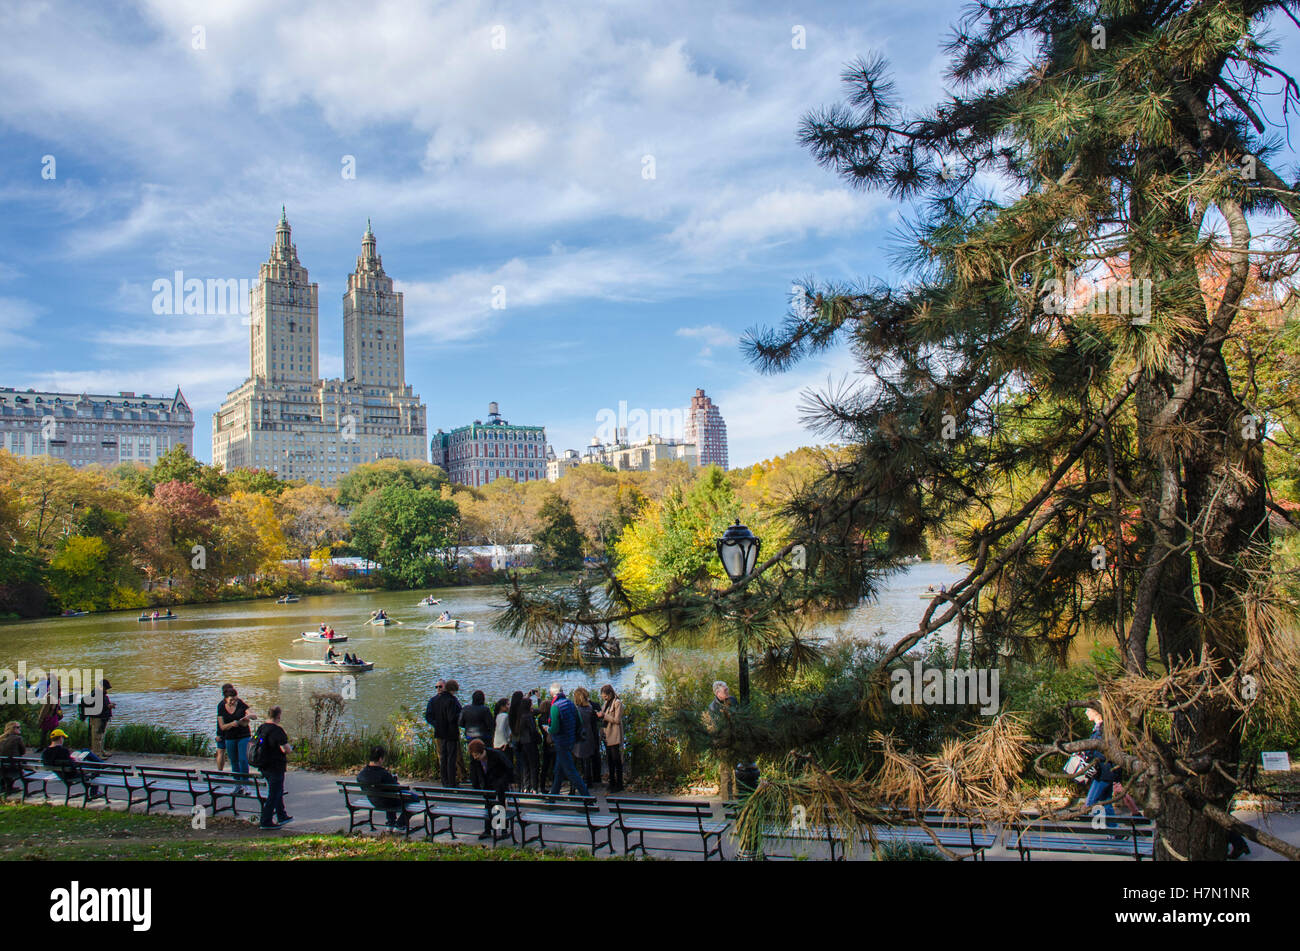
[170, 672]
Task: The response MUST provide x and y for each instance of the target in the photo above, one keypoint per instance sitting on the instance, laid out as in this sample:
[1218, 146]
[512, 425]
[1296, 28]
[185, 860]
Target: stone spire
[369, 260]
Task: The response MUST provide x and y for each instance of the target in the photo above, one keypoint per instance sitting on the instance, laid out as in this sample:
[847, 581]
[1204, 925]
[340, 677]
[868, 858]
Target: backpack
[256, 755]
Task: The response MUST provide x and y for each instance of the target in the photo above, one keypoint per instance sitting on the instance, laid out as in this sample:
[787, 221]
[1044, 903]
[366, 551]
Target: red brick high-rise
[707, 430]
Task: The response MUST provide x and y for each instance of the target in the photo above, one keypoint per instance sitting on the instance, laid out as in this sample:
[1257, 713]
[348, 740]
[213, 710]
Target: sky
[625, 180]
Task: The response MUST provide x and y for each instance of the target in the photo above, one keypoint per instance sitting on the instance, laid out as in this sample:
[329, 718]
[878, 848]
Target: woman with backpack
[269, 752]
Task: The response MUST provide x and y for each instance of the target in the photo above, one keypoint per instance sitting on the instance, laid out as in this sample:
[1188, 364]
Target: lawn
[44, 832]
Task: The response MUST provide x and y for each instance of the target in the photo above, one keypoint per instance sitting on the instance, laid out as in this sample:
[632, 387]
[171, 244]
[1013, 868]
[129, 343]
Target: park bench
[439, 802]
[900, 827]
[569, 812]
[806, 833]
[233, 786]
[163, 782]
[107, 776]
[636, 817]
[1133, 837]
[36, 774]
[363, 801]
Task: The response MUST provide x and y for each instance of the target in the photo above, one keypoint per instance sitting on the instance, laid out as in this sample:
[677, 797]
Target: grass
[53, 833]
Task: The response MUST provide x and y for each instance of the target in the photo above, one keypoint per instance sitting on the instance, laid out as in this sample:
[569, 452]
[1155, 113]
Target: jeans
[1098, 792]
[449, 757]
[274, 804]
[615, 754]
[565, 766]
[237, 754]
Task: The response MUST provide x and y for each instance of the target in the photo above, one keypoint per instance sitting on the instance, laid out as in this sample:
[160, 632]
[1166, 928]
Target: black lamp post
[738, 551]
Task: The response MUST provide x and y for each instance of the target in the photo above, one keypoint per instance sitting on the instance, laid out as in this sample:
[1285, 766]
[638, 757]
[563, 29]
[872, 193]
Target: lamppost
[738, 551]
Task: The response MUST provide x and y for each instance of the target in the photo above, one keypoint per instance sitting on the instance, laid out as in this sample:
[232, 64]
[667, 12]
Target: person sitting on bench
[59, 759]
[374, 774]
[497, 773]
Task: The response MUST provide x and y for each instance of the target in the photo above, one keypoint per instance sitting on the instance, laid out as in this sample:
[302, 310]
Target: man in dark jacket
[445, 712]
[566, 726]
[378, 782]
[497, 771]
[479, 724]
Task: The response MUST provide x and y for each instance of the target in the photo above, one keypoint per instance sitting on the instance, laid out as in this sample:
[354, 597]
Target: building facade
[483, 452]
[641, 456]
[706, 429]
[86, 429]
[286, 419]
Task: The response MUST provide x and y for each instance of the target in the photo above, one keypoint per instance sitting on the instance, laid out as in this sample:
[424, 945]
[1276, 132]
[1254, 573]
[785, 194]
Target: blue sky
[519, 167]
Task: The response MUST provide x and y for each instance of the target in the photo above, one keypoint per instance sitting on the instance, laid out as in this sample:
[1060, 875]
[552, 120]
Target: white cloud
[711, 335]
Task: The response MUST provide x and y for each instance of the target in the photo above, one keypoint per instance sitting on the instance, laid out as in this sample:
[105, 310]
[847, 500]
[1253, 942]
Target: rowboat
[930, 595]
[318, 636]
[321, 667]
[288, 599]
[161, 617]
[557, 657]
[452, 624]
[381, 621]
[74, 614]
[428, 602]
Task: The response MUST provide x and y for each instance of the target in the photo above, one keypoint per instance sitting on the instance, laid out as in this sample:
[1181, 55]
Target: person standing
[497, 770]
[501, 734]
[718, 720]
[1103, 774]
[11, 744]
[547, 748]
[445, 709]
[232, 720]
[566, 726]
[524, 738]
[611, 719]
[99, 710]
[48, 718]
[275, 762]
[479, 724]
[586, 751]
[221, 737]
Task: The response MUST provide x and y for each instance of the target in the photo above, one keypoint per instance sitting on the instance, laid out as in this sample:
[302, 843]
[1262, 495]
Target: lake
[170, 672]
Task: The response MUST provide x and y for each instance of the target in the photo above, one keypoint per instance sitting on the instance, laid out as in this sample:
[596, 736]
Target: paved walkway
[314, 801]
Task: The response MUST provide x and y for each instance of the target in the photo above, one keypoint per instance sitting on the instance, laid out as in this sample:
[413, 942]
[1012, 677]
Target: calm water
[170, 672]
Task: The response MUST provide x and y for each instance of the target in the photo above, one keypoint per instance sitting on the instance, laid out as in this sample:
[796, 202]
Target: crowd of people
[548, 741]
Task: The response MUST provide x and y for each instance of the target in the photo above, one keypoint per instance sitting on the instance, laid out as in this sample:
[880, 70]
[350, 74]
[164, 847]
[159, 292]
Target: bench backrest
[433, 796]
[544, 802]
[220, 778]
[379, 795]
[661, 808]
[94, 772]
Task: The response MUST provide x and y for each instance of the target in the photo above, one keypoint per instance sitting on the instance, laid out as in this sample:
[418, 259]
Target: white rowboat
[318, 636]
[321, 667]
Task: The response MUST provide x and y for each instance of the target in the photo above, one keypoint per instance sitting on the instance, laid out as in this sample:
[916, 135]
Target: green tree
[369, 476]
[558, 543]
[177, 465]
[408, 531]
[989, 396]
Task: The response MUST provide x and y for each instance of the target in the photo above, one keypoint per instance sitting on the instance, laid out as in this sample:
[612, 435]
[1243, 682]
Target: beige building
[286, 419]
[626, 457]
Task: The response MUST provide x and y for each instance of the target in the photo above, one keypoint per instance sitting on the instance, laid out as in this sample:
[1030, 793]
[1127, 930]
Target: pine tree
[1052, 376]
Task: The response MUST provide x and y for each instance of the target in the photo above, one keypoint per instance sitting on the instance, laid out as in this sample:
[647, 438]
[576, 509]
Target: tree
[558, 543]
[81, 573]
[1148, 148]
[408, 531]
[369, 476]
[311, 518]
[177, 465]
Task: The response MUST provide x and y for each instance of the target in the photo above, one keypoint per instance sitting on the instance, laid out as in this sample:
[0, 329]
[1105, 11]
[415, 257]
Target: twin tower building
[284, 417]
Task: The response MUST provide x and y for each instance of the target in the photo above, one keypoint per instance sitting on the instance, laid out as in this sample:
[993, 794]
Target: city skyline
[634, 237]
